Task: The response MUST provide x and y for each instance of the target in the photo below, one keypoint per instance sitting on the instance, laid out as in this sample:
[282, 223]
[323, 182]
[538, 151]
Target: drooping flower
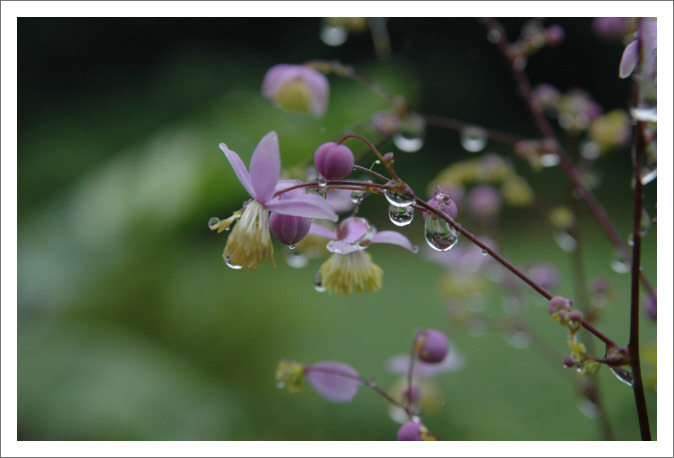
[350, 268]
[334, 381]
[297, 88]
[249, 243]
[648, 34]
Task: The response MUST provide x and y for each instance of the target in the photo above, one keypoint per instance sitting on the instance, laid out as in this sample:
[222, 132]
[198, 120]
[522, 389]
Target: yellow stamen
[342, 273]
[250, 242]
[294, 96]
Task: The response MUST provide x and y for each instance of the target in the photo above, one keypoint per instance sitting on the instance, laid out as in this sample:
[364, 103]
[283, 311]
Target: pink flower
[250, 244]
[350, 267]
[297, 88]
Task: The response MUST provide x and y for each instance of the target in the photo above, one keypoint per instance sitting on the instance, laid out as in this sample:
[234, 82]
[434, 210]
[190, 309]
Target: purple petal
[309, 206]
[340, 247]
[239, 169]
[265, 167]
[276, 76]
[319, 88]
[400, 365]
[394, 238]
[629, 60]
[334, 381]
[322, 231]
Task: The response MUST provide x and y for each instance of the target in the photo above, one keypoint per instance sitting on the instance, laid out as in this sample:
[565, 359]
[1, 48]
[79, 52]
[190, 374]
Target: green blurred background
[131, 327]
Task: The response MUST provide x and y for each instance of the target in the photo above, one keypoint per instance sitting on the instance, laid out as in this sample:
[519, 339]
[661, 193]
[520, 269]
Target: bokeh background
[131, 327]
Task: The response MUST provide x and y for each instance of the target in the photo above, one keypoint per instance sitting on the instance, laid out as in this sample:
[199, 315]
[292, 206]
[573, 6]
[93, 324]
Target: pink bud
[410, 431]
[432, 346]
[575, 315]
[558, 303]
[289, 229]
[333, 161]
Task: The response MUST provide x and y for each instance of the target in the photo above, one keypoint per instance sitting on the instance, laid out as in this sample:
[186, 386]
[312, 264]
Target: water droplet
[623, 374]
[549, 160]
[230, 264]
[484, 252]
[588, 408]
[645, 112]
[494, 36]
[400, 216]
[292, 247]
[649, 172]
[397, 196]
[296, 259]
[322, 182]
[355, 196]
[518, 339]
[333, 35]
[439, 234]
[619, 263]
[213, 222]
[410, 135]
[473, 139]
[566, 241]
[318, 283]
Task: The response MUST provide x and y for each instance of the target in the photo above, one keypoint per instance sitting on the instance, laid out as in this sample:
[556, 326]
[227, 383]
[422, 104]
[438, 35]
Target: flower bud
[333, 161]
[289, 229]
[557, 304]
[432, 346]
[576, 315]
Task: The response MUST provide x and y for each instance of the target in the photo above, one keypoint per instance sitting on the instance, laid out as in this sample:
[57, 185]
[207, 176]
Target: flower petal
[629, 60]
[395, 238]
[265, 167]
[340, 247]
[400, 364]
[322, 231]
[239, 169]
[320, 90]
[309, 206]
[334, 381]
[276, 76]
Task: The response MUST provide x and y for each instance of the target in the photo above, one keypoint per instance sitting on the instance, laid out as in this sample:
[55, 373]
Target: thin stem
[498, 36]
[637, 385]
[374, 149]
[458, 126]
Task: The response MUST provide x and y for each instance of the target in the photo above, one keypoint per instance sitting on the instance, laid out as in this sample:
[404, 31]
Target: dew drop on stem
[439, 234]
[400, 216]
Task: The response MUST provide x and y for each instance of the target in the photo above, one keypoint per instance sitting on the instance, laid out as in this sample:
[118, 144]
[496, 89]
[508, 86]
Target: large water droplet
[356, 196]
[623, 374]
[322, 182]
[439, 234]
[318, 283]
[230, 264]
[410, 135]
[333, 35]
[213, 222]
[473, 138]
[397, 196]
[400, 216]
